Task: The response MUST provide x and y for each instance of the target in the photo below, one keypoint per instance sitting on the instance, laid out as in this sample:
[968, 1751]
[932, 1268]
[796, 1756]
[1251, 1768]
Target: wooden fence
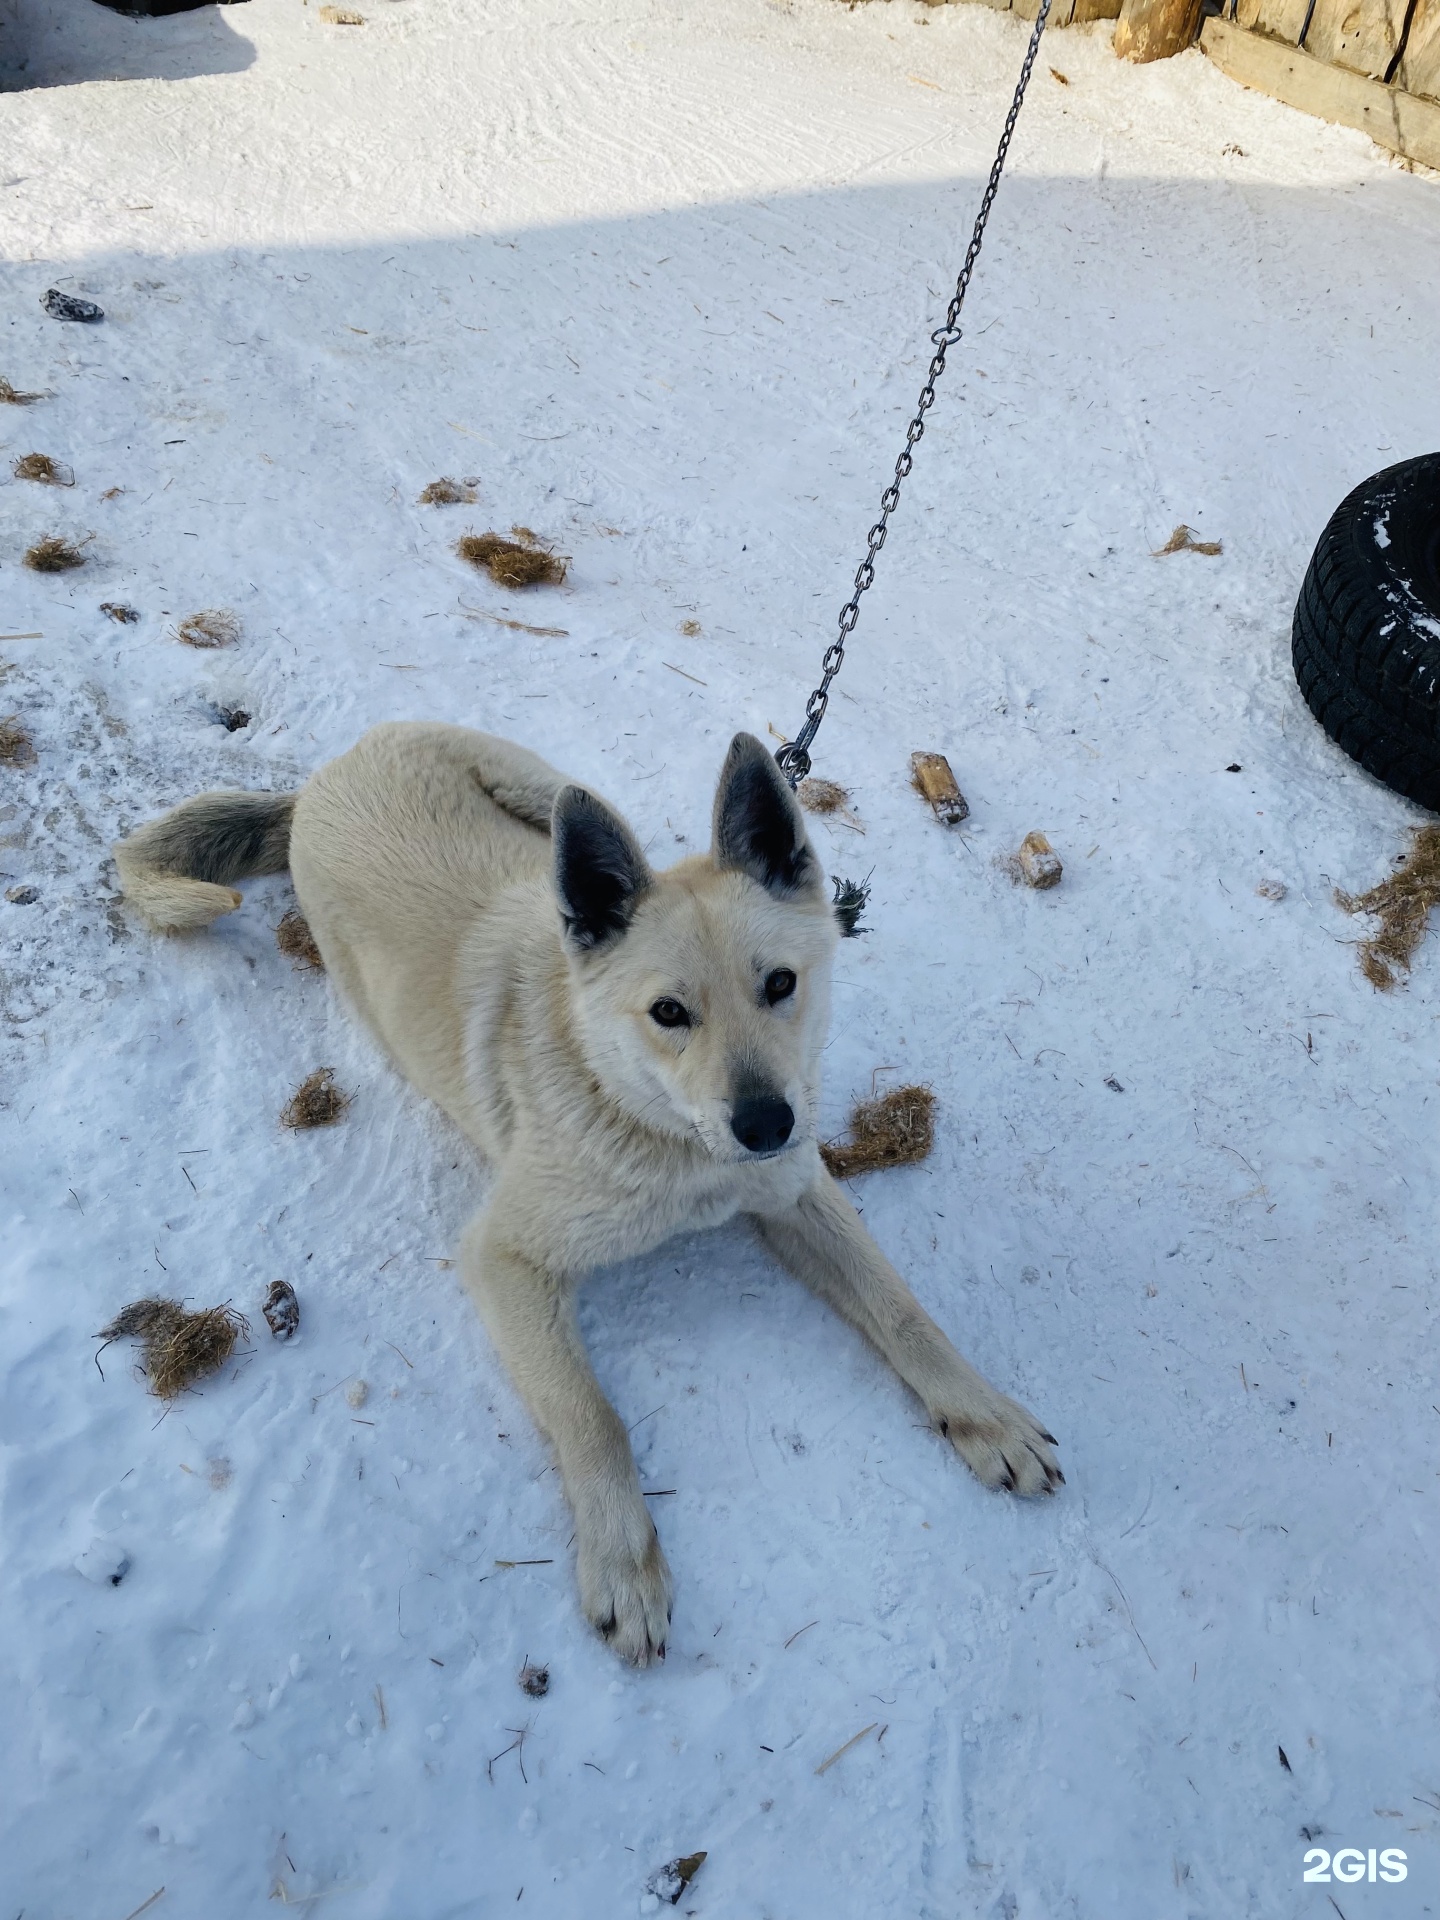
[1371, 64]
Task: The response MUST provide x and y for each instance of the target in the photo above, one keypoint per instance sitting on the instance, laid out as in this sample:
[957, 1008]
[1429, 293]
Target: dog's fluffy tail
[177, 872]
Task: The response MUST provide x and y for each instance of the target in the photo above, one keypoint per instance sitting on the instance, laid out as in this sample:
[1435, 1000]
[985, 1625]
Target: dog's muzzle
[762, 1123]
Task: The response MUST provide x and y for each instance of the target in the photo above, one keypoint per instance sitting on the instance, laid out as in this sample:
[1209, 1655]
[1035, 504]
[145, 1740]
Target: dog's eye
[779, 985]
[669, 1013]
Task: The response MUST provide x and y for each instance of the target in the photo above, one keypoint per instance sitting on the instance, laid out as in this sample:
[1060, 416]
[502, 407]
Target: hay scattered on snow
[295, 940]
[53, 555]
[215, 627]
[449, 493]
[1402, 905]
[894, 1131]
[39, 466]
[17, 749]
[1183, 540]
[13, 397]
[522, 626]
[522, 562]
[180, 1347]
[822, 796]
[534, 1680]
[342, 17]
[122, 615]
[316, 1102]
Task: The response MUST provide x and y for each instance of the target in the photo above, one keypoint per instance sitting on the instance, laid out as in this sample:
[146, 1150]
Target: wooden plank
[1285, 19]
[1420, 67]
[1360, 35]
[1095, 10]
[1419, 124]
[1061, 11]
[1396, 120]
[1155, 29]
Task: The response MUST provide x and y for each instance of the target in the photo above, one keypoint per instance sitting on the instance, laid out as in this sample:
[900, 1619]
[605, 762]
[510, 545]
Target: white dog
[637, 1054]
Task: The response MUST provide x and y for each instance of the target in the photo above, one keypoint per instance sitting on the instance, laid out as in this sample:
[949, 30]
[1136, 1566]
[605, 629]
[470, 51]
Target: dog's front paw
[1002, 1444]
[626, 1595]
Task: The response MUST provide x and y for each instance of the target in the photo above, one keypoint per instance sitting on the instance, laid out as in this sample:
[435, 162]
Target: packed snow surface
[658, 281]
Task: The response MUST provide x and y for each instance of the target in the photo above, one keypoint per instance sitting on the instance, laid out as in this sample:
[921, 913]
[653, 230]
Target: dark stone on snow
[69, 306]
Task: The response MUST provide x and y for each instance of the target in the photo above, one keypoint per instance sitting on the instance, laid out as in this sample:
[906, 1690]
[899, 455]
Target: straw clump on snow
[1183, 540]
[448, 493]
[522, 562]
[180, 1347]
[215, 627]
[39, 466]
[17, 749]
[1402, 905]
[822, 796]
[316, 1102]
[53, 555]
[295, 940]
[894, 1131]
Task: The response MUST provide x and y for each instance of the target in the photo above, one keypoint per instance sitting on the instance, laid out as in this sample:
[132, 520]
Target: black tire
[157, 9]
[1366, 637]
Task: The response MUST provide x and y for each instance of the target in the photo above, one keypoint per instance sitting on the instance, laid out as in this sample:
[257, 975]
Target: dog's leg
[624, 1581]
[823, 1243]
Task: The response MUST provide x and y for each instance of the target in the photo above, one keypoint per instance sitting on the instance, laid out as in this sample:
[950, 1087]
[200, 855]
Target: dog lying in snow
[637, 1053]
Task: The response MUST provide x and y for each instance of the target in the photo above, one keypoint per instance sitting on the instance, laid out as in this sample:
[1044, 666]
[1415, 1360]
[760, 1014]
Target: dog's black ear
[759, 827]
[600, 872]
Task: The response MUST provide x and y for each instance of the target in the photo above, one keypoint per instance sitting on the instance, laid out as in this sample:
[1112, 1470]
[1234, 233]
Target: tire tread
[1367, 666]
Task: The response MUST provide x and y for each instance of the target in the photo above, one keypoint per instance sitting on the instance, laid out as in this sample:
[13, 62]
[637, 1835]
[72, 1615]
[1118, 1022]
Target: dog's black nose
[762, 1123]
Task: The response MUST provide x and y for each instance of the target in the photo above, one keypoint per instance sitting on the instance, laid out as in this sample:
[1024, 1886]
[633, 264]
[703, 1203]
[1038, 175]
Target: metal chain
[794, 756]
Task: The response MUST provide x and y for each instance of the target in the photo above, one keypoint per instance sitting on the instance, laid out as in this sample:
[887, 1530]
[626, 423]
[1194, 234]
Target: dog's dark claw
[1050, 1437]
[1053, 1475]
[607, 1628]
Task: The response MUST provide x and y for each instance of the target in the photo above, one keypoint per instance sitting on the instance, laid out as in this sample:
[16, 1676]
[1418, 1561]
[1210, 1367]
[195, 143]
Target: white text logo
[1351, 1864]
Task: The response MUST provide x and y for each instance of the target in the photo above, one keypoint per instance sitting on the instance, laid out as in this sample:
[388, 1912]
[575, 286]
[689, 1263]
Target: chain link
[794, 756]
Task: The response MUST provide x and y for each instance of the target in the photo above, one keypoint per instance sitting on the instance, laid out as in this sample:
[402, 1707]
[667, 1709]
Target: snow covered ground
[660, 279]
